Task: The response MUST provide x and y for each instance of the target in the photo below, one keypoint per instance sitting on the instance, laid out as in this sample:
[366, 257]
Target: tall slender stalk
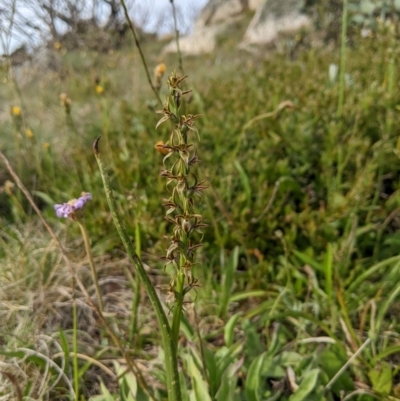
[342, 76]
[137, 288]
[137, 43]
[178, 49]
[86, 240]
[171, 362]
[75, 345]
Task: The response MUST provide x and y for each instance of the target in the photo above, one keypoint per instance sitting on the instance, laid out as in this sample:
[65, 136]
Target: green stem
[342, 59]
[176, 321]
[136, 299]
[146, 69]
[171, 362]
[75, 349]
[177, 37]
[85, 236]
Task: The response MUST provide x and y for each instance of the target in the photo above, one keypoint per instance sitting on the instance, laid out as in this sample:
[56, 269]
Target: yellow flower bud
[99, 89]
[16, 111]
[29, 133]
[159, 147]
[159, 71]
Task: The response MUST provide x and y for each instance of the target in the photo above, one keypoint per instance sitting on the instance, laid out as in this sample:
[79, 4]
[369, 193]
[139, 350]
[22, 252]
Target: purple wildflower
[68, 209]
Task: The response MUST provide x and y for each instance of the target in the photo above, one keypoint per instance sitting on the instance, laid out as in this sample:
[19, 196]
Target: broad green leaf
[214, 376]
[381, 379]
[127, 383]
[253, 343]
[199, 385]
[229, 356]
[271, 368]
[306, 386]
[253, 380]
[330, 361]
[229, 379]
[288, 358]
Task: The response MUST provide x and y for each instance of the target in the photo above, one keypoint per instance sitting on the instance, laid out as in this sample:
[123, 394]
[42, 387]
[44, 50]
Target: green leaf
[248, 294]
[381, 379]
[306, 386]
[105, 394]
[44, 197]
[228, 356]
[308, 260]
[127, 383]
[229, 329]
[199, 385]
[288, 358]
[245, 181]
[330, 361]
[253, 380]
[328, 270]
[64, 347]
[213, 375]
[228, 280]
[229, 379]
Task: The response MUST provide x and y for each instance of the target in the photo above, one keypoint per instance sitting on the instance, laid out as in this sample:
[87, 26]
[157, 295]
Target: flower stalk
[171, 361]
[184, 186]
[74, 210]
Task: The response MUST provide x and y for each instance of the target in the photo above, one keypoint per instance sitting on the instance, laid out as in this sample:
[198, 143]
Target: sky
[154, 15]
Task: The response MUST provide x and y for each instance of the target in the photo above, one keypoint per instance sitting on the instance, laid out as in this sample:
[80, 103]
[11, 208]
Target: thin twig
[344, 367]
[140, 51]
[131, 364]
[180, 62]
[89, 359]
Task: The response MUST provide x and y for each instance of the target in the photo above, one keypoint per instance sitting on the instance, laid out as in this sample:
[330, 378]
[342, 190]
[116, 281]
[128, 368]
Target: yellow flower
[16, 111]
[29, 133]
[99, 89]
[159, 71]
[159, 147]
[46, 145]
[57, 45]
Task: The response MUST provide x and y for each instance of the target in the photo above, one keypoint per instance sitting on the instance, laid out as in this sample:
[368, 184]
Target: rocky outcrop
[274, 17]
[271, 18]
[213, 20]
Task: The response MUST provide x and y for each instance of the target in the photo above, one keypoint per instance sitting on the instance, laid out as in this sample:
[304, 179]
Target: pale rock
[272, 18]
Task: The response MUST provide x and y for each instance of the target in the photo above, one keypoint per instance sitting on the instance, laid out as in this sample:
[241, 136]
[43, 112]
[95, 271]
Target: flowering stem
[131, 27]
[75, 347]
[85, 236]
[176, 321]
[171, 362]
[137, 289]
[183, 187]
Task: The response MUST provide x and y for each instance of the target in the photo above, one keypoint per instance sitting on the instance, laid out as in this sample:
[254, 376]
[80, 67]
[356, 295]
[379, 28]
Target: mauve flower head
[68, 209]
